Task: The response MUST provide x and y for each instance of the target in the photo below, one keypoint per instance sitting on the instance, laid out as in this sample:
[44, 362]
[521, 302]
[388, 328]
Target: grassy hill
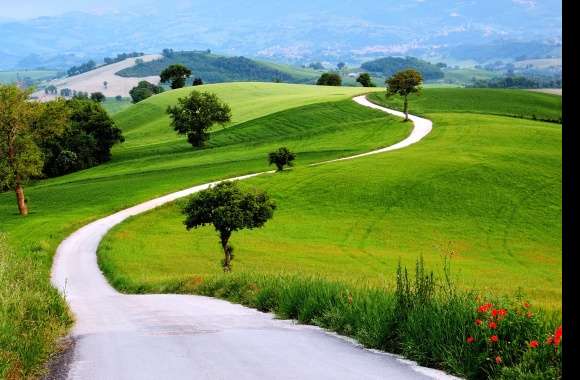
[390, 65]
[214, 68]
[489, 183]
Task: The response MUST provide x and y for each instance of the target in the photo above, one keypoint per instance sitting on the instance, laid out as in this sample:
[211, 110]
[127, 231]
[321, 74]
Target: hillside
[214, 68]
[93, 81]
[390, 65]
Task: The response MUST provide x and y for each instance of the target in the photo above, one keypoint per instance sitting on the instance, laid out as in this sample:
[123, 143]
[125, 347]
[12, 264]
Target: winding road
[167, 336]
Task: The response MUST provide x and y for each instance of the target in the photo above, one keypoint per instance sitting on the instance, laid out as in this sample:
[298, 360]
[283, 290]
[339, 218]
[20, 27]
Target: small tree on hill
[23, 124]
[197, 82]
[228, 209]
[282, 157]
[329, 79]
[98, 97]
[176, 74]
[365, 80]
[105, 84]
[144, 90]
[404, 83]
[195, 114]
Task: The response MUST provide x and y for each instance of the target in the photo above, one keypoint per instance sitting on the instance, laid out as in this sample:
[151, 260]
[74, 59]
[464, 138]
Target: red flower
[494, 338]
[492, 325]
[478, 322]
[550, 340]
[526, 305]
[498, 359]
[470, 339]
[484, 308]
[498, 313]
[558, 336]
[529, 314]
[534, 344]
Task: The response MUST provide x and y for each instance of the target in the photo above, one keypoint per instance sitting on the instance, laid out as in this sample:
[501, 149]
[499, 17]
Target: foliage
[228, 209]
[282, 157]
[197, 82]
[390, 65]
[86, 142]
[144, 90]
[51, 89]
[316, 66]
[196, 114]
[329, 79]
[85, 67]
[176, 74]
[516, 82]
[404, 83]
[98, 97]
[121, 57]
[217, 69]
[365, 80]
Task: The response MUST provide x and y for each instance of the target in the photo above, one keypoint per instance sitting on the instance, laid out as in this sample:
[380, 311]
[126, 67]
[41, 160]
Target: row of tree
[121, 57]
[516, 82]
[50, 139]
[83, 68]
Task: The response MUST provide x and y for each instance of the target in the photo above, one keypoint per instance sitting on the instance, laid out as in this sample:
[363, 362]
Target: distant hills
[213, 68]
[390, 65]
[298, 32]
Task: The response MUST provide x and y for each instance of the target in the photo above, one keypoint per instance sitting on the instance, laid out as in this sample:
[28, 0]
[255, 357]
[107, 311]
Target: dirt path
[184, 336]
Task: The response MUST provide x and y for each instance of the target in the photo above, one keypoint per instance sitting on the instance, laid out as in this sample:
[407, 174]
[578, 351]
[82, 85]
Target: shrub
[282, 157]
[329, 79]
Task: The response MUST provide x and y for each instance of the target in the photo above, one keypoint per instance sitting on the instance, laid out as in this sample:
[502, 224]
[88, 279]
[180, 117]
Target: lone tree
[195, 114]
[144, 90]
[23, 124]
[197, 82]
[282, 157]
[98, 97]
[176, 74]
[329, 79]
[365, 80]
[404, 83]
[229, 209]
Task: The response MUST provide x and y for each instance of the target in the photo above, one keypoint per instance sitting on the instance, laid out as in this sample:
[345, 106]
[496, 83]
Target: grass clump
[424, 318]
[32, 315]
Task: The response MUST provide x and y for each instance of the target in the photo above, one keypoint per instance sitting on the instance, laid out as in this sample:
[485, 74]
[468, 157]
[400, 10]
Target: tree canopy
[176, 74]
[404, 83]
[388, 66]
[228, 208]
[282, 157]
[23, 125]
[329, 79]
[195, 114]
[365, 80]
[144, 90]
[98, 97]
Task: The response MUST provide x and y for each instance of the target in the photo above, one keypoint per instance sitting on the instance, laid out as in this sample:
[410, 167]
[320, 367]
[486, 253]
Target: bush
[282, 157]
[329, 79]
[144, 90]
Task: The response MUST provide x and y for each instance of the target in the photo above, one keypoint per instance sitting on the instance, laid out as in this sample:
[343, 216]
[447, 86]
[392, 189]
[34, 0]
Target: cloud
[454, 14]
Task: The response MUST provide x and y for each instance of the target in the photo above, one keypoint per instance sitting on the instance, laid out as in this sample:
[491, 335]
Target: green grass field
[490, 184]
[114, 106]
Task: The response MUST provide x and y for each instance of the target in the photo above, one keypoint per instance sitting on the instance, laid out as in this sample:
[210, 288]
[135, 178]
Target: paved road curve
[191, 337]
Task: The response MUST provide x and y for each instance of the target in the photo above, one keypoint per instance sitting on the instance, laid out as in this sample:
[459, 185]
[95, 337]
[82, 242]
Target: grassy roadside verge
[423, 317]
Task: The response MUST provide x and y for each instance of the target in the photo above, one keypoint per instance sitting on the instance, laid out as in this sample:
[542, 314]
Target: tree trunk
[227, 263]
[406, 108]
[22, 207]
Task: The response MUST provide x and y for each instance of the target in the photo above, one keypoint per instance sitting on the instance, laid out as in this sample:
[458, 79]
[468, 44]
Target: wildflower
[550, 340]
[492, 325]
[534, 344]
[478, 322]
[470, 339]
[498, 359]
[494, 338]
[499, 313]
[484, 308]
[558, 336]
[526, 305]
[529, 314]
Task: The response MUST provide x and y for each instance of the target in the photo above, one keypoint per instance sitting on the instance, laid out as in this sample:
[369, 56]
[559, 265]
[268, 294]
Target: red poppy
[498, 359]
[478, 322]
[526, 305]
[484, 308]
[494, 338]
[529, 314]
[534, 344]
[470, 339]
[558, 336]
[492, 325]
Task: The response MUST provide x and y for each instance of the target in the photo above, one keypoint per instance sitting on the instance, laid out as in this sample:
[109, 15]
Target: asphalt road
[142, 337]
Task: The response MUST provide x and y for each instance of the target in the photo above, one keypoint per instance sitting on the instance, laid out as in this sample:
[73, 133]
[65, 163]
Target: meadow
[488, 184]
[7, 77]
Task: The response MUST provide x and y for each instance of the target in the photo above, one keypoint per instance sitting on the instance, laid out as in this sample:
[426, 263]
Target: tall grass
[32, 315]
[424, 318]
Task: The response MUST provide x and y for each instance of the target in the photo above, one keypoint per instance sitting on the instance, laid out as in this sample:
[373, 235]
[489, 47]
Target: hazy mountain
[297, 31]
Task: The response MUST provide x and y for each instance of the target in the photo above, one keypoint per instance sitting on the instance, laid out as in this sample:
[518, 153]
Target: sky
[27, 9]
